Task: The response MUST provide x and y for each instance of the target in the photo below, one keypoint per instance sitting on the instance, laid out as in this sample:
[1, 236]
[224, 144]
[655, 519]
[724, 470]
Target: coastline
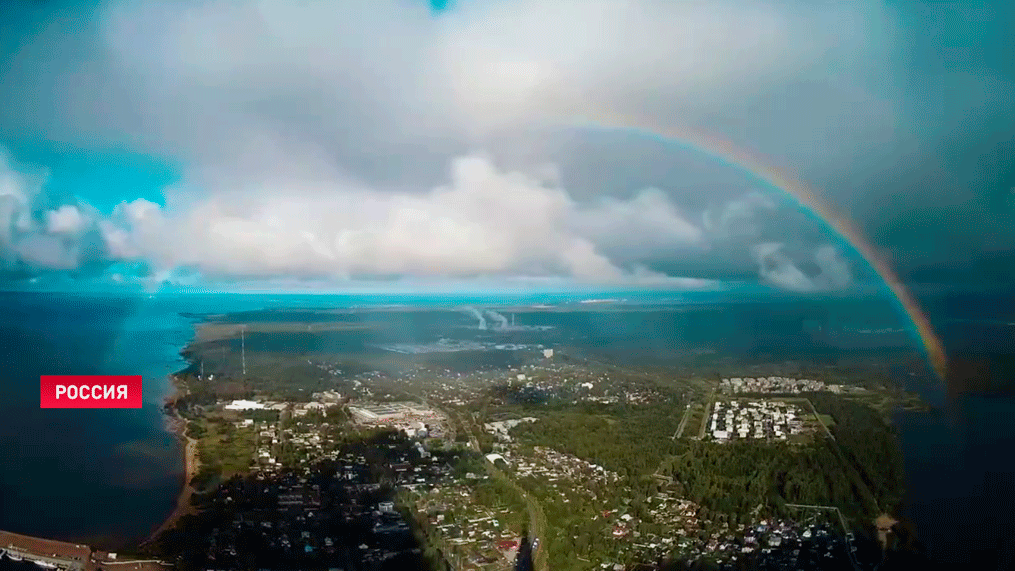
[191, 459]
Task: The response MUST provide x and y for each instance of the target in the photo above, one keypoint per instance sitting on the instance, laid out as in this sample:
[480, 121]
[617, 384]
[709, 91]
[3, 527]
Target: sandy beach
[884, 523]
[192, 463]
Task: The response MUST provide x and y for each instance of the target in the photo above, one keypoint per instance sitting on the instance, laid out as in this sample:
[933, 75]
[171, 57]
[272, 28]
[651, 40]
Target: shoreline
[191, 463]
[884, 524]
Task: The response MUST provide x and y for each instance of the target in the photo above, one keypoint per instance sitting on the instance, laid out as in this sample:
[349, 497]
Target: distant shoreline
[191, 459]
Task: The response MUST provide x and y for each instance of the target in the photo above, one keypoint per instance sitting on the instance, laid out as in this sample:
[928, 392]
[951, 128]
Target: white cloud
[776, 268]
[66, 220]
[779, 269]
[32, 238]
[291, 117]
[47, 252]
[17, 194]
[835, 270]
[649, 224]
[738, 218]
[485, 222]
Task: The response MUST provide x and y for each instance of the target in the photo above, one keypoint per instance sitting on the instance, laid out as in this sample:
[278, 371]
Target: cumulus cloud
[17, 193]
[779, 269]
[315, 135]
[834, 269]
[649, 224]
[738, 219]
[34, 235]
[776, 268]
[484, 222]
[67, 219]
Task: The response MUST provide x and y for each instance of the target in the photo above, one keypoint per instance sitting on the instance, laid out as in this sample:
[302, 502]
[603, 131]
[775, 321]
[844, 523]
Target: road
[818, 418]
[846, 464]
[537, 519]
[683, 421]
[708, 411]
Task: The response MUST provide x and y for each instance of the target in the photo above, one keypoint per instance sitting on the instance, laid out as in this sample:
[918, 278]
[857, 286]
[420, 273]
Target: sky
[322, 143]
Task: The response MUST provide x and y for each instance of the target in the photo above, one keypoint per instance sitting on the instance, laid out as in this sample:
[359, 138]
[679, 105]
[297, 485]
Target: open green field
[886, 402]
[693, 426]
[223, 447]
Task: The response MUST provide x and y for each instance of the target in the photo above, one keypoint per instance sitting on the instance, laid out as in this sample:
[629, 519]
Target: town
[477, 459]
[475, 469]
[756, 419]
[465, 459]
[775, 385]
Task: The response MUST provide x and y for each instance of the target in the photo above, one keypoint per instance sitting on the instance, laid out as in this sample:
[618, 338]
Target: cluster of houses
[478, 531]
[774, 385]
[286, 513]
[755, 419]
[442, 385]
[310, 440]
[576, 384]
[476, 535]
[784, 544]
[551, 466]
[542, 379]
[566, 479]
[671, 512]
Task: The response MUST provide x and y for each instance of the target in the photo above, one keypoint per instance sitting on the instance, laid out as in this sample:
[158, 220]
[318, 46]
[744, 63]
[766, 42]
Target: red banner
[90, 391]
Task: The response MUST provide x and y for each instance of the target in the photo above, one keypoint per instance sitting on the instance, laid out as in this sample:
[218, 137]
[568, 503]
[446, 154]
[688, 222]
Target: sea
[110, 477]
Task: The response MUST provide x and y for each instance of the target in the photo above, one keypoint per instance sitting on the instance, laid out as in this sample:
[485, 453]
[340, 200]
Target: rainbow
[755, 166]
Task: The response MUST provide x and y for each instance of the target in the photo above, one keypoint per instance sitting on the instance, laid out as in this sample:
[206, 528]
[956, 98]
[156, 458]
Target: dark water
[84, 474]
[961, 475]
[960, 464]
[107, 476]
[101, 476]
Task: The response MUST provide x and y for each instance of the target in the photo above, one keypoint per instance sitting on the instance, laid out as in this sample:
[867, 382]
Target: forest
[738, 477]
[869, 444]
[734, 477]
[629, 440]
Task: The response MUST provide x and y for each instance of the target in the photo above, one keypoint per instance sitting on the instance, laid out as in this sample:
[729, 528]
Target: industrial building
[244, 405]
[410, 417]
